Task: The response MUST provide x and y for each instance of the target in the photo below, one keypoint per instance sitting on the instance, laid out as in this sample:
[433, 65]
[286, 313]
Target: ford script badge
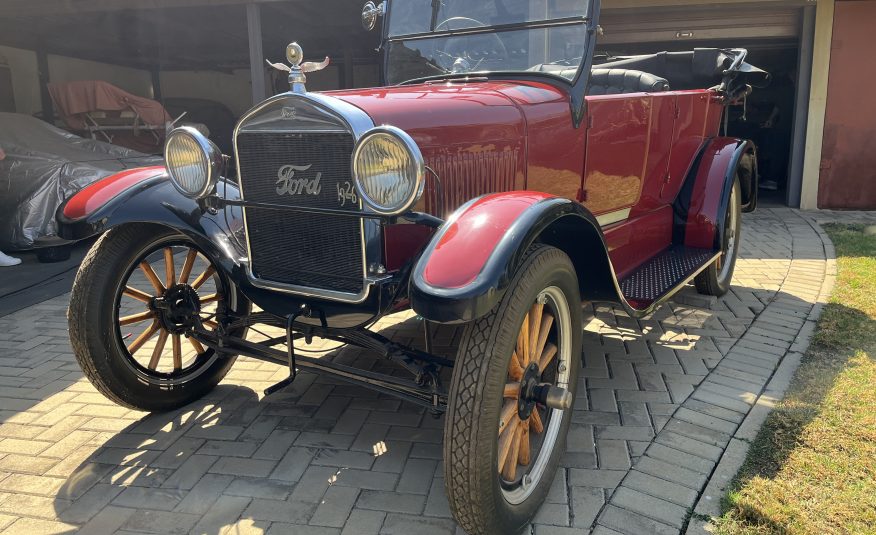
[289, 184]
[288, 112]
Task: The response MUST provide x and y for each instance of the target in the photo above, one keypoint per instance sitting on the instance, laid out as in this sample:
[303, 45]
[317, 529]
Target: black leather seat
[619, 81]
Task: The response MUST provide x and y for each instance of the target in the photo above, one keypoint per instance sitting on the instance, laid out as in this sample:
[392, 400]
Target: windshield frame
[496, 28]
[576, 87]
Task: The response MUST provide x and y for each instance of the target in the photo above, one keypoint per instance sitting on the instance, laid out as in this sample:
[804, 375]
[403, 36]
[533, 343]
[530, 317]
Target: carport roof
[212, 34]
[62, 7]
[179, 34]
[44, 7]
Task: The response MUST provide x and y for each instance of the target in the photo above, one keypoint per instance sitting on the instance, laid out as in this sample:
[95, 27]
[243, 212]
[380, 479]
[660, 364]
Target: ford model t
[503, 177]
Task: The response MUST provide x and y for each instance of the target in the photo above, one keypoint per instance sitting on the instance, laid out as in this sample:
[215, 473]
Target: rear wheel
[715, 280]
[138, 291]
[510, 399]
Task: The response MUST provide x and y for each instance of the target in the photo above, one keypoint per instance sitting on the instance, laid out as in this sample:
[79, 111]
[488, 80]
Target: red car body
[642, 143]
[626, 165]
[498, 200]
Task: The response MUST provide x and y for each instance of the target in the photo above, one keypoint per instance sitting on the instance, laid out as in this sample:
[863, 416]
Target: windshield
[435, 37]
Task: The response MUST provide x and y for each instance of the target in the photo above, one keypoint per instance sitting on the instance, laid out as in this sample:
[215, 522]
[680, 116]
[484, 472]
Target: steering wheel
[457, 51]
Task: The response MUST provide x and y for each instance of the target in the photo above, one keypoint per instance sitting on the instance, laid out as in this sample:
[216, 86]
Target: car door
[617, 139]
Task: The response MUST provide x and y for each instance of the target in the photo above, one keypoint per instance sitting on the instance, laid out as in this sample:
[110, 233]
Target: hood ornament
[297, 79]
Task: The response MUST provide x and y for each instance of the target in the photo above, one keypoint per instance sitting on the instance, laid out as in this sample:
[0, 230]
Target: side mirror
[370, 13]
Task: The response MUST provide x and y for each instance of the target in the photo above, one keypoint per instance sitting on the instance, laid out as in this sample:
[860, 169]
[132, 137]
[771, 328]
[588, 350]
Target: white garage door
[699, 23]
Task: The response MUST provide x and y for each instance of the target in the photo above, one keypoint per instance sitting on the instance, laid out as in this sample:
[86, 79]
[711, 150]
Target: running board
[657, 279]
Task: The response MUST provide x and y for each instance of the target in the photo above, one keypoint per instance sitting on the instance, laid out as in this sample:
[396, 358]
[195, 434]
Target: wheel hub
[527, 400]
[178, 308]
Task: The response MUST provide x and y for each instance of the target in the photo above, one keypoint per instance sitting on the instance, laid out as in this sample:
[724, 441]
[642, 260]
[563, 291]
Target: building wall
[848, 157]
[232, 89]
[66, 69]
[366, 75]
[25, 78]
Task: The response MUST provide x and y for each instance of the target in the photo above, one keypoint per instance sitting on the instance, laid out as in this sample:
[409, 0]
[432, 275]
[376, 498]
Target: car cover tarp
[73, 99]
[43, 166]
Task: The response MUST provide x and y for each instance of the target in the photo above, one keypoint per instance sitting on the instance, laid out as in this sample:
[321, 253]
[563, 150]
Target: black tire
[57, 253]
[476, 491]
[95, 336]
[716, 279]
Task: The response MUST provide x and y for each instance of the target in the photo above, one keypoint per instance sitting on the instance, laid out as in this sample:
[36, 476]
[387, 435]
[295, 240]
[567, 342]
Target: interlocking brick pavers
[658, 400]
[698, 434]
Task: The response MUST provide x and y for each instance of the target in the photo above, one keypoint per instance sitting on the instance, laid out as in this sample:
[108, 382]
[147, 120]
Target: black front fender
[155, 201]
[219, 234]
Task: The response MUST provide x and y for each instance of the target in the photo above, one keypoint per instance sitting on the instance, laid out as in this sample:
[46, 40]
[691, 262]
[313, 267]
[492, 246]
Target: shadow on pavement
[235, 455]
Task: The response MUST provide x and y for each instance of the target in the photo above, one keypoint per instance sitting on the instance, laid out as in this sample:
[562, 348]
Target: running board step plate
[663, 273]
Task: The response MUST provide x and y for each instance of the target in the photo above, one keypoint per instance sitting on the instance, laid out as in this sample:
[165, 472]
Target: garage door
[849, 151]
[699, 23]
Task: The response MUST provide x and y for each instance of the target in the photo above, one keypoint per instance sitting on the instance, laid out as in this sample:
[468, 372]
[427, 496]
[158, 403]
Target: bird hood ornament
[297, 69]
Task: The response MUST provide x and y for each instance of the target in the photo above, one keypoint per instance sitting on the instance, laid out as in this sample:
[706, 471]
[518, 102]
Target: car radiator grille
[297, 248]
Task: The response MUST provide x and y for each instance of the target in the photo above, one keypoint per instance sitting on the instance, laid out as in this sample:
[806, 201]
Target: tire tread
[461, 447]
[90, 274]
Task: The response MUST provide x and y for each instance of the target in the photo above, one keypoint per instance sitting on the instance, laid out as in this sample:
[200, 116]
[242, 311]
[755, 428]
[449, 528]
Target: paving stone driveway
[660, 401]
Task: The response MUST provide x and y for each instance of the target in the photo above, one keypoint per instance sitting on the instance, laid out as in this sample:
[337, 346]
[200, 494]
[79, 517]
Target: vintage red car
[502, 179]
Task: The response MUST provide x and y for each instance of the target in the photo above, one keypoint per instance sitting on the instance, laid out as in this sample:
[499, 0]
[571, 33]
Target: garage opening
[772, 37]
[768, 120]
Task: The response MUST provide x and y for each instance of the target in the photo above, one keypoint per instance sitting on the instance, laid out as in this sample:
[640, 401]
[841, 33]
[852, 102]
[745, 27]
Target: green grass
[812, 467]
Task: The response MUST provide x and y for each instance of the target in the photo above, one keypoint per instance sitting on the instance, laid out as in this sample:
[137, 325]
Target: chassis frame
[424, 389]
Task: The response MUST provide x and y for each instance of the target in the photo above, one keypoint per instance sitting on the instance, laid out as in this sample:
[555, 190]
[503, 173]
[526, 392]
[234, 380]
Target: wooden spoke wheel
[513, 384]
[137, 296]
[158, 306]
[535, 366]
[522, 418]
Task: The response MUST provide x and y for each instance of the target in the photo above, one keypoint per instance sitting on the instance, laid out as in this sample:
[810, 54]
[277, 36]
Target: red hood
[442, 114]
[473, 135]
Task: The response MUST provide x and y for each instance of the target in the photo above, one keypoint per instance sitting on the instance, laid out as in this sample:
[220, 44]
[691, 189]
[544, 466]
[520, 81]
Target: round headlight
[193, 161]
[389, 170]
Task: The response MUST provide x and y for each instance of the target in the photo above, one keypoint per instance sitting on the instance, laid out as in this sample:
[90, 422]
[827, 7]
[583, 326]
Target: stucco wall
[25, 76]
[25, 79]
[848, 158]
[232, 89]
[66, 69]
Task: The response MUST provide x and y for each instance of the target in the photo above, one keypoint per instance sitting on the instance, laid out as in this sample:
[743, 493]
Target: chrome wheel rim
[540, 431]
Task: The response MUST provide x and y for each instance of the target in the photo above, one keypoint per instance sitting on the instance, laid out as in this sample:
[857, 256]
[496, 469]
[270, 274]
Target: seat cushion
[618, 81]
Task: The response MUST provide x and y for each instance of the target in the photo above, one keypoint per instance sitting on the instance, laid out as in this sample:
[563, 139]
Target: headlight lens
[193, 161]
[389, 170]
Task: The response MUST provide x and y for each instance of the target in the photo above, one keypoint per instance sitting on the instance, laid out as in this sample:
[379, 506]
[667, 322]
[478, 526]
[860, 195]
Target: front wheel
[509, 410]
[716, 278]
[138, 292]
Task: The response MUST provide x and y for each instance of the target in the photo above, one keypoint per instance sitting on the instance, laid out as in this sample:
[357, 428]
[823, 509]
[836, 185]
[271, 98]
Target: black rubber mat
[666, 270]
